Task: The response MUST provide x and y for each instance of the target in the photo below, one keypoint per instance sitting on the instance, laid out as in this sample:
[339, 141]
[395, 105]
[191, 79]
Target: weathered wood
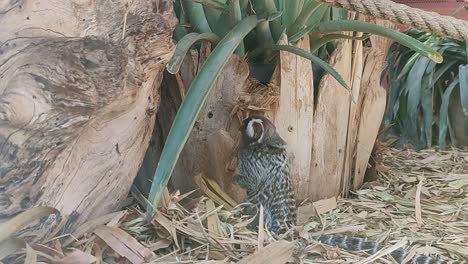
[294, 115]
[331, 128]
[372, 102]
[354, 115]
[77, 102]
[211, 146]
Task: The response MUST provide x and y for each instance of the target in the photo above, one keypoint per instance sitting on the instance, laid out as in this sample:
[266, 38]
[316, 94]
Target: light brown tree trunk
[79, 90]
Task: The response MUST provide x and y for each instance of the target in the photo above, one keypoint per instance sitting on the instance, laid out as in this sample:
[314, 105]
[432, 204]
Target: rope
[403, 14]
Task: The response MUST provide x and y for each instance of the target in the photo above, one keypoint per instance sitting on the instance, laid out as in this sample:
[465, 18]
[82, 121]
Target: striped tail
[371, 247]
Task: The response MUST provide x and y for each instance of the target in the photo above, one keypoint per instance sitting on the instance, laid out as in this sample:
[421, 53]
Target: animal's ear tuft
[255, 130]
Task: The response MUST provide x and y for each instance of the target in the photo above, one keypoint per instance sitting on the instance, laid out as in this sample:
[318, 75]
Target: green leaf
[212, 15]
[463, 73]
[183, 46]
[215, 4]
[354, 25]
[270, 8]
[236, 16]
[181, 28]
[196, 15]
[191, 106]
[301, 21]
[441, 71]
[443, 116]
[316, 44]
[339, 14]
[314, 19]
[291, 11]
[427, 108]
[413, 82]
[314, 59]
[408, 65]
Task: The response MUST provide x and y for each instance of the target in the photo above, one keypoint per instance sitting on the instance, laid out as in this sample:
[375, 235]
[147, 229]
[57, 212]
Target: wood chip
[326, 205]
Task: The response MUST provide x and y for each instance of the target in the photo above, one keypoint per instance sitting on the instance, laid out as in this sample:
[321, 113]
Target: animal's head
[259, 130]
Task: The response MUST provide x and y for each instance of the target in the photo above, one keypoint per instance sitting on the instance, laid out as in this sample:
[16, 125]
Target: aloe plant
[420, 90]
[252, 27]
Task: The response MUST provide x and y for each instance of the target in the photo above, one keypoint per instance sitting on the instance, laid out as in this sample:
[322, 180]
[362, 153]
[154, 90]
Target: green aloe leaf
[196, 15]
[216, 4]
[313, 20]
[463, 73]
[441, 71]
[414, 84]
[236, 16]
[314, 59]
[354, 25]
[339, 14]
[331, 37]
[191, 106]
[427, 109]
[269, 7]
[183, 46]
[443, 116]
[301, 21]
[408, 65]
[212, 15]
[291, 11]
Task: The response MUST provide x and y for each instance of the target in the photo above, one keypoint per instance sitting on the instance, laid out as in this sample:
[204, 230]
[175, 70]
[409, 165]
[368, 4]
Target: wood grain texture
[331, 128]
[294, 116]
[354, 115]
[78, 99]
[372, 102]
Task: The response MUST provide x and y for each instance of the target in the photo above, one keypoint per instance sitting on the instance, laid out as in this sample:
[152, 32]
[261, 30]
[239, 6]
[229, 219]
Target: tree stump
[79, 90]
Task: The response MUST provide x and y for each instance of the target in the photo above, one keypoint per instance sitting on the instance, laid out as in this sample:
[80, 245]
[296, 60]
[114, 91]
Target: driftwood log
[79, 91]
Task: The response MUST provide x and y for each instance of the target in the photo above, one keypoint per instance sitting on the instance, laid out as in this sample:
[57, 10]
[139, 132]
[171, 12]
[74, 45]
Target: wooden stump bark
[211, 147]
[79, 90]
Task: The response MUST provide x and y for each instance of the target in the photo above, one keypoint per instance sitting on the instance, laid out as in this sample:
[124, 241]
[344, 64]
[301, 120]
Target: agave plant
[420, 89]
[253, 28]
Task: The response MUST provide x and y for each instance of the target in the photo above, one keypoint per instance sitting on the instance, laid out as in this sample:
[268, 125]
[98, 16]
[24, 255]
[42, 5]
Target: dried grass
[420, 197]
[258, 98]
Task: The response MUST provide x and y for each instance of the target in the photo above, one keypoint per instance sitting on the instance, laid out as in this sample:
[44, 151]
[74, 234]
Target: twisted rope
[403, 14]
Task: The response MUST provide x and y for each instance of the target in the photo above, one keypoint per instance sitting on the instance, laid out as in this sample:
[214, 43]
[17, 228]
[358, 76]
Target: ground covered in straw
[419, 196]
